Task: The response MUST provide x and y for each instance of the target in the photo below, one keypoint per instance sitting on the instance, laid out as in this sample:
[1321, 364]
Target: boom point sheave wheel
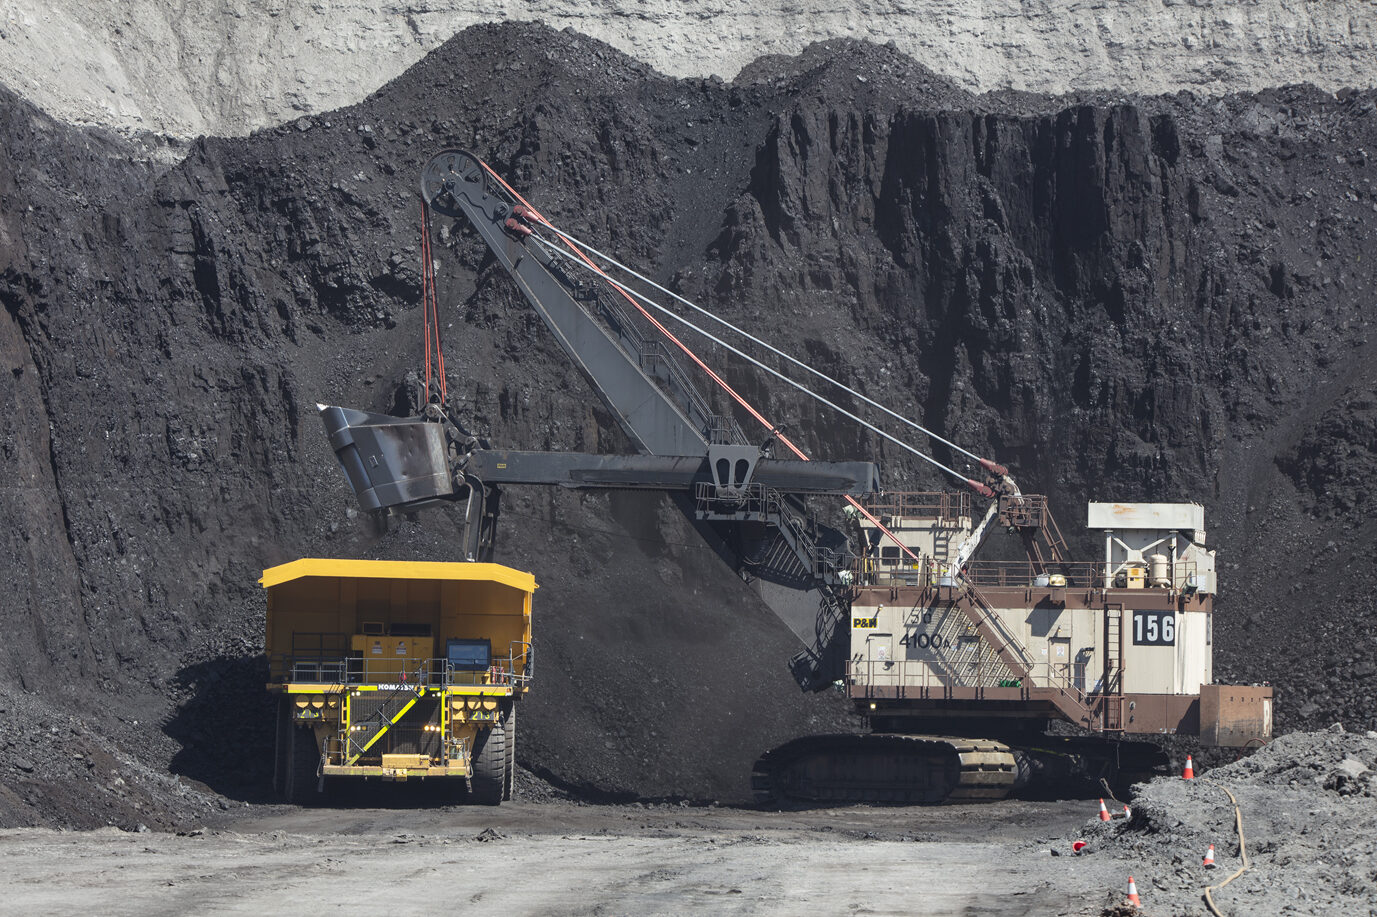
[488, 779]
[446, 175]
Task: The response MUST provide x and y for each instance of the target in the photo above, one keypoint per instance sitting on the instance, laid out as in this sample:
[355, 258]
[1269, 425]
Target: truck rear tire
[489, 766]
[303, 766]
[509, 779]
[281, 743]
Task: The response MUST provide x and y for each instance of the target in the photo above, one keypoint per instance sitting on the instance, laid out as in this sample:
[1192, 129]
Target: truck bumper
[399, 773]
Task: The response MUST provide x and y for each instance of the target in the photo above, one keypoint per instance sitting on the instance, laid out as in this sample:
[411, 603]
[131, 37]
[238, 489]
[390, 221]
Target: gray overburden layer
[231, 66]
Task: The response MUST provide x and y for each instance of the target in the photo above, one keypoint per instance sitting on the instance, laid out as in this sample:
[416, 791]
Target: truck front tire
[488, 780]
[509, 779]
[281, 744]
[303, 765]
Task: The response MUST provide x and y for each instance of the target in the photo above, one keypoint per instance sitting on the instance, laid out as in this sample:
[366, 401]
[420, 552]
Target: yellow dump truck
[397, 671]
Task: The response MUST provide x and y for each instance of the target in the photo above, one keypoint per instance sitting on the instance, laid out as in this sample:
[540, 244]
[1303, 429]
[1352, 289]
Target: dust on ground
[1306, 802]
[565, 858]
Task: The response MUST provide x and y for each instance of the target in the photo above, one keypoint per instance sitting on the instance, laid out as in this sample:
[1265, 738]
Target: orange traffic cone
[1133, 898]
[1128, 813]
[1189, 773]
[1104, 813]
[1209, 858]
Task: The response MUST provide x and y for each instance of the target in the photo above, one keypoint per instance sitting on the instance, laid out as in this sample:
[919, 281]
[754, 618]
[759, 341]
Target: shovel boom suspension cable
[792, 360]
[627, 291]
[523, 211]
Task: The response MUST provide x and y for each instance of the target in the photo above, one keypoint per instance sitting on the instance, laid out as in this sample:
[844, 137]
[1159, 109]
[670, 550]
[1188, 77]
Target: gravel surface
[1309, 813]
[1306, 804]
[558, 858]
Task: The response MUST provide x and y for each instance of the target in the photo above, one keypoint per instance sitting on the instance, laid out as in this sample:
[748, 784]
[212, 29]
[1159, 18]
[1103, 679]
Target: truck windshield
[469, 655]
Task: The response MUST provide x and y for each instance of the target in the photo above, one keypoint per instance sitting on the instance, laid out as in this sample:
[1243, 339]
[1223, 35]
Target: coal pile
[1123, 298]
[1309, 825]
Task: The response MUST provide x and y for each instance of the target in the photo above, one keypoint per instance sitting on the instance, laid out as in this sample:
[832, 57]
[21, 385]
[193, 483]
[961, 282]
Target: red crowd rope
[534, 214]
[430, 306]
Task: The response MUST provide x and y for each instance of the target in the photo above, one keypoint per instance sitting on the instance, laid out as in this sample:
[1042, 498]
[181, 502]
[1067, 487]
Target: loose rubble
[1309, 813]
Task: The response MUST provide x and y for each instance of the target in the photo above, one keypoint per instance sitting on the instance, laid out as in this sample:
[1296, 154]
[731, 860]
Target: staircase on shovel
[1014, 655]
[795, 552]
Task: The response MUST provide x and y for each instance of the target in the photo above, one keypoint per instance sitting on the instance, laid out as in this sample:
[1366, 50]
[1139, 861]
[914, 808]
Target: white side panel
[1192, 653]
[1148, 668]
[1146, 516]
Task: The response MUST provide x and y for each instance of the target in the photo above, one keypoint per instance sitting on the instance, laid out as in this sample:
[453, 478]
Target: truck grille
[409, 736]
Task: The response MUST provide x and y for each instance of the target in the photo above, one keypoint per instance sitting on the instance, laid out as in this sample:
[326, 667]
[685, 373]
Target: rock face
[230, 66]
[1143, 299]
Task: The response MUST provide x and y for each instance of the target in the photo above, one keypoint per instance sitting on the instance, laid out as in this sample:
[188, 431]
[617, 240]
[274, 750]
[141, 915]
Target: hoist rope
[627, 291]
[425, 294]
[430, 306]
[534, 214]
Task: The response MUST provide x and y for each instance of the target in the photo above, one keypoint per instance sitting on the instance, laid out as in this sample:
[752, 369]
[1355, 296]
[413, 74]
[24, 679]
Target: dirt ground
[1306, 804]
[1309, 829]
[566, 858]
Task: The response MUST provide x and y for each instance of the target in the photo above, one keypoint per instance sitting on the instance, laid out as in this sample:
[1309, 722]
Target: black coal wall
[1138, 299]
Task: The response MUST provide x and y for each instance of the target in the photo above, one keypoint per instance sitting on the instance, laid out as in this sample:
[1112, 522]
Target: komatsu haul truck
[397, 671]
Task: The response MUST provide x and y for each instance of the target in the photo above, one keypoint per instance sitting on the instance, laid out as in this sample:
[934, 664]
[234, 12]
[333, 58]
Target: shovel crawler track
[886, 768]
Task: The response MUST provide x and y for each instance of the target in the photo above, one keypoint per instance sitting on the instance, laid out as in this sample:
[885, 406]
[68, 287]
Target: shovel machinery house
[397, 670]
[975, 677]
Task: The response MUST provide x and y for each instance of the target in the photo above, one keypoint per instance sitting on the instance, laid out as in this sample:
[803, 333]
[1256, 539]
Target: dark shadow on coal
[225, 727]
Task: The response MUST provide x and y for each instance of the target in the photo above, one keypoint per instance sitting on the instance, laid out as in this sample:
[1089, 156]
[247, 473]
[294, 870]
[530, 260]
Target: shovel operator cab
[397, 670]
